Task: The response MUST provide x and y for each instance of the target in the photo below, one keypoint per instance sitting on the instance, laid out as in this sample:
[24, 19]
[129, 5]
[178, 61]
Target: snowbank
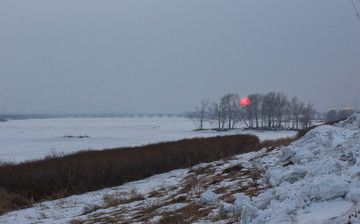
[314, 180]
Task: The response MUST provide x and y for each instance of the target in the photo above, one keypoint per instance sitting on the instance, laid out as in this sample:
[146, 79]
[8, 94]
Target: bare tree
[224, 114]
[236, 110]
[307, 114]
[295, 108]
[225, 103]
[200, 115]
[231, 103]
[255, 101]
[357, 14]
[249, 116]
[215, 114]
[269, 109]
[345, 113]
[280, 104]
[263, 111]
[218, 114]
[331, 115]
[253, 110]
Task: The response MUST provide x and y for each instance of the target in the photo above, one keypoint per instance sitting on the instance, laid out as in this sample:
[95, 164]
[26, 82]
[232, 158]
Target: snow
[209, 197]
[172, 207]
[322, 183]
[324, 211]
[66, 209]
[313, 180]
[35, 138]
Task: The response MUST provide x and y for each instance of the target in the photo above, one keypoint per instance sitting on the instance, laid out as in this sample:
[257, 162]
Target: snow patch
[324, 211]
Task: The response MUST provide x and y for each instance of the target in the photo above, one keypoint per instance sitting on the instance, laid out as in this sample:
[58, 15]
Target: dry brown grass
[156, 193]
[188, 191]
[90, 208]
[117, 199]
[12, 201]
[75, 221]
[202, 170]
[272, 144]
[288, 164]
[235, 168]
[187, 214]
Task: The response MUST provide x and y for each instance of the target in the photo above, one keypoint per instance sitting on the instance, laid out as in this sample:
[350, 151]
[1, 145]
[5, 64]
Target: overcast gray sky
[165, 56]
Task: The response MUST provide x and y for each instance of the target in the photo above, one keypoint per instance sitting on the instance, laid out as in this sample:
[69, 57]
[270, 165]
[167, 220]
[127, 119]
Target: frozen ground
[314, 180]
[35, 138]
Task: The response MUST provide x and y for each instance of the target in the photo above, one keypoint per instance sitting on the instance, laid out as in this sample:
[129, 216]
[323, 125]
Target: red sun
[245, 102]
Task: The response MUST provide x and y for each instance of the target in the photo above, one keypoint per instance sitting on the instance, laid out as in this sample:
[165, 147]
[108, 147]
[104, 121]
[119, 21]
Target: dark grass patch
[186, 214]
[79, 136]
[288, 164]
[233, 169]
[202, 170]
[273, 144]
[11, 201]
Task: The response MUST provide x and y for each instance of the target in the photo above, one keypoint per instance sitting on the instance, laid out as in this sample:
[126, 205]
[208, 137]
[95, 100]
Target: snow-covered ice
[35, 138]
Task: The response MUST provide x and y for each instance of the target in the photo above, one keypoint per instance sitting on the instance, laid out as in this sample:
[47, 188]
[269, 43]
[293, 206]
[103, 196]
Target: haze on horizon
[165, 56]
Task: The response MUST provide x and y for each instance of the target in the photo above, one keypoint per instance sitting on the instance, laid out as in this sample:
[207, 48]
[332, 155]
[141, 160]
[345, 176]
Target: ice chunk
[278, 174]
[303, 156]
[354, 191]
[321, 168]
[248, 213]
[241, 201]
[263, 200]
[273, 175]
[242, 206]
[226, 209]
[209, 198]
[325, 188]
[286, 153]
[293, 175]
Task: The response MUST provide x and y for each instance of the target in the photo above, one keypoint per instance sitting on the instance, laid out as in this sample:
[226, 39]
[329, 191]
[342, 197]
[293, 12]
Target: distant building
[344, 108]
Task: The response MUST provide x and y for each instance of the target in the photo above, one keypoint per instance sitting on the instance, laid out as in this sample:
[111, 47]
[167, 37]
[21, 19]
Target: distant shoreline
[7, 117]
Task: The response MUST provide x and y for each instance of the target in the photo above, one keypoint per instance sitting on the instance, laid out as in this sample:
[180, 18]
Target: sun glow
[245, 102]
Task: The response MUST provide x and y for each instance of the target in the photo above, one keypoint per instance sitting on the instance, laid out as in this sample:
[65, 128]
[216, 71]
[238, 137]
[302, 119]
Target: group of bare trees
[274, 110]
[265, 111]
[224, 114]
[227, 112]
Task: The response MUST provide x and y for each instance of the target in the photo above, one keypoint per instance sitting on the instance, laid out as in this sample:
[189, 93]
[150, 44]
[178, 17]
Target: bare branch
[356, 11]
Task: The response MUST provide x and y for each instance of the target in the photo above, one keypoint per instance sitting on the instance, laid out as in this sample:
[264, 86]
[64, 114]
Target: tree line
[265, 111]
[334, 115]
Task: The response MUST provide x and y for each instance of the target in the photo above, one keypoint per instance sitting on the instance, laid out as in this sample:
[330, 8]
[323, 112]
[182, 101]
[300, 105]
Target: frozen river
[35, 138]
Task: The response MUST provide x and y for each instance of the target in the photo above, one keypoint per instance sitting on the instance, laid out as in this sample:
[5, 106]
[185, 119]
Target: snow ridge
[314, 180]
